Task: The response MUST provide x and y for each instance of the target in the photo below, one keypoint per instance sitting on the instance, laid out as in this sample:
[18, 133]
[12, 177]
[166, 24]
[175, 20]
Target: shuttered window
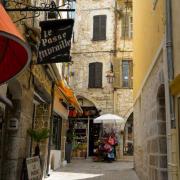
[127, 73]
[95, 75]
[117, 70]
[99, 27]
[123, 71]
[127, 26]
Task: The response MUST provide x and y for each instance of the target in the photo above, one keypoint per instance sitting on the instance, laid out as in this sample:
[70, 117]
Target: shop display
[80, 139]
[106, 149]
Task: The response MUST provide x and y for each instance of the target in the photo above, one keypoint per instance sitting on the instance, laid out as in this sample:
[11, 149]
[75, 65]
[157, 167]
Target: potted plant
[38, 135]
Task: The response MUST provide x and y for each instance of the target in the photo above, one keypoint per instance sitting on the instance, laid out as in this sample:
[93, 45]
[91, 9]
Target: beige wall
[148, 34]
[176, 53]
[176, 37]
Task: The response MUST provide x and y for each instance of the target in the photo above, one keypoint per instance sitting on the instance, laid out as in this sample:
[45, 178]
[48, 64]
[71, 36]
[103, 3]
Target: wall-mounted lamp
[110, 77]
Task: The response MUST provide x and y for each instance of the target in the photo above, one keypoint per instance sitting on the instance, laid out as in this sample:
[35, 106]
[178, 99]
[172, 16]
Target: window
[99, 28]
[127, 26]
[127, 72]
[95, 75]
[56, 132]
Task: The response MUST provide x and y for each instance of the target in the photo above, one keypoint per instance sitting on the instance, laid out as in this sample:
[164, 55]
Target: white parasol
[109, 118]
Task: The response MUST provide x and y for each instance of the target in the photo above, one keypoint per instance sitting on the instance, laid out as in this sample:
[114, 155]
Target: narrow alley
[89, 90]
[86, 169]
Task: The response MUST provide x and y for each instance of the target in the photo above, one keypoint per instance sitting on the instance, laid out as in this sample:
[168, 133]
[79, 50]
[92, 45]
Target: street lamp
[110, 77]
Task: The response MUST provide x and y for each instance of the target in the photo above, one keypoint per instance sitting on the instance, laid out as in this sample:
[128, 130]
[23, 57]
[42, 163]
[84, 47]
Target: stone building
[36, 102]
[102, 51]
[175, 85]
[155, 133]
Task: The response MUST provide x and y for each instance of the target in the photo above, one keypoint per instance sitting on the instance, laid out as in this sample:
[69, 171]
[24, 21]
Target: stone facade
[112, 97]
[150, 126]
[16, 143]
[85, 51]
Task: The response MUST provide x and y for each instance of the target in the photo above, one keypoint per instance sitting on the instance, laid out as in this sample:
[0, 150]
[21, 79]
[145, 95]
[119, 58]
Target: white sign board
[33, 168]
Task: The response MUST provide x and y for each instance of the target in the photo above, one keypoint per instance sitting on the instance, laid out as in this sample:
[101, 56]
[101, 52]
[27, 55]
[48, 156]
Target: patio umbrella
[109, 118]
[14, 51]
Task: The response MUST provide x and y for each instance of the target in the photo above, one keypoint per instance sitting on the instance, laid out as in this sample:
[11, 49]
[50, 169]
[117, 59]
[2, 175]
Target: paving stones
[87, 169]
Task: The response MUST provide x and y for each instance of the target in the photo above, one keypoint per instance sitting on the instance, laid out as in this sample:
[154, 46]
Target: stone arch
[79, 97]
[158, 144]
[126, 117]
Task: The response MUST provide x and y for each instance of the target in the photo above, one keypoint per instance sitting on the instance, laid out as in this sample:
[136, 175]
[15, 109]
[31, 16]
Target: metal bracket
[27, 10]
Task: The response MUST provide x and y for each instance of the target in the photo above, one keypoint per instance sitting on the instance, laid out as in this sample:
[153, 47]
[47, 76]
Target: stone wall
[150, 127]
[86, 51]
[102, 97]
[17, 143]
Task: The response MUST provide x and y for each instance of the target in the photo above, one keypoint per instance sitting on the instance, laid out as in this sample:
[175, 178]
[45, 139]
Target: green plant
[38, 135]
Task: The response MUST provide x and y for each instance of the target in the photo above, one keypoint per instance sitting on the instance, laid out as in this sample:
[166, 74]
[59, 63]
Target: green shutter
[98, 75]
[125, 26]
[91, 75]
[102, 27]
[99, 27]
[96, 27]
[116, 68]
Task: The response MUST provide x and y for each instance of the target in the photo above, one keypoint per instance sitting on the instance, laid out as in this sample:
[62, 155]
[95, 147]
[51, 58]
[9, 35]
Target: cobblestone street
[86, 169]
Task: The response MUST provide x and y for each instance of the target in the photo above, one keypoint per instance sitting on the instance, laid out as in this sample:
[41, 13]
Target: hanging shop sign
[55, 42]
[33, 168]
[15, 53]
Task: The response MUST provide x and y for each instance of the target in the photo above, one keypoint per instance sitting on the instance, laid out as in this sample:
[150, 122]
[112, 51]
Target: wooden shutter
[98, 75]
[130, 74]
[99, 27]
[91, 75]
[116, 67]
[102, 27]
[95, 27]
[125, 26]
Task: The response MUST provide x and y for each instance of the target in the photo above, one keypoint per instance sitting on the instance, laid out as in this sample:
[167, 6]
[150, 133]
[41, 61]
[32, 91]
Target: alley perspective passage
[86, 169]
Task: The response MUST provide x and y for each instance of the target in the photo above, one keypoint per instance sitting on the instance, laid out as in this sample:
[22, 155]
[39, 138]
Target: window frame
[127, 29]
[99, 37]
[130, 74]
[94, 84]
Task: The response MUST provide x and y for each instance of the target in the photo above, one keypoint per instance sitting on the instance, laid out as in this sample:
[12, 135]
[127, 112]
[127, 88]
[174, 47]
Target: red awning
[14, 51]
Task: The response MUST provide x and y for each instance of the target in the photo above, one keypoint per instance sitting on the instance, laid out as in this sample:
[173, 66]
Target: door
[179, 124]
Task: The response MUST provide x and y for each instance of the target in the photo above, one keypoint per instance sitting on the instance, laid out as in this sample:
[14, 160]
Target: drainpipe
[114, 53]
[169, 49]
[170, 68]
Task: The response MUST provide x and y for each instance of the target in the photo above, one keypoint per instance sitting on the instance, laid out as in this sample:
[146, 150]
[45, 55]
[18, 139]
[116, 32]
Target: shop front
[85, 132]
[60, 117]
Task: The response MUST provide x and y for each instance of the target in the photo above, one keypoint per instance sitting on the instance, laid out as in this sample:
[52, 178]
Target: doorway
[128, 137]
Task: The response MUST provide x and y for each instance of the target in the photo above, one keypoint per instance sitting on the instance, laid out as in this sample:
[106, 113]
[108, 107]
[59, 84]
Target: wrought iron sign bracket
[35, 9]
[25, 8]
